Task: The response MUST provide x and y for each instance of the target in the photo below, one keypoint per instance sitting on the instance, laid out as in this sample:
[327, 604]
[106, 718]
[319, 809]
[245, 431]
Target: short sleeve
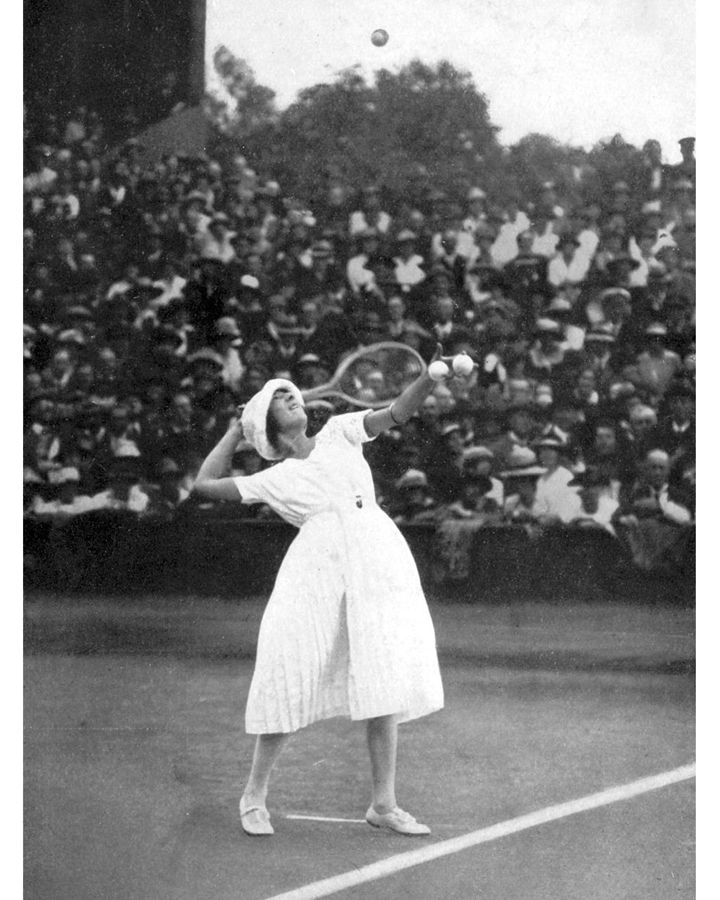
[268, 486]
[352, 427]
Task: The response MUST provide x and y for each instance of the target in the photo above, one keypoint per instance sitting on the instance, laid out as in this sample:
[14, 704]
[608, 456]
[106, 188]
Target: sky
[578, 70]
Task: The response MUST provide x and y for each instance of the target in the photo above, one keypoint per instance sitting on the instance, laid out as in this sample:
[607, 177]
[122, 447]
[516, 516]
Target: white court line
[325, 819]
[400, 861]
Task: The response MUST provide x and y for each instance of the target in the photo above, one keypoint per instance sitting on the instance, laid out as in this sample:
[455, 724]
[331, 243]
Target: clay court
[561, 767]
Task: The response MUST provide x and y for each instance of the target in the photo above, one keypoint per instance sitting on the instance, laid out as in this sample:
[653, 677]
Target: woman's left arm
[407, 404]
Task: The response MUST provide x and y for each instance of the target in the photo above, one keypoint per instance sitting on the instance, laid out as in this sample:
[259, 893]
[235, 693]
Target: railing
[212, 552]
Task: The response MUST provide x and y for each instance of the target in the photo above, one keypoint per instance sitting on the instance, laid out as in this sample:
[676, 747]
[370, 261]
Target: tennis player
[347, 631]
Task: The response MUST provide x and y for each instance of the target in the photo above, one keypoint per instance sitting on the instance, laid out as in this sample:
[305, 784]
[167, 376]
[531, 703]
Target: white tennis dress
[347, 631]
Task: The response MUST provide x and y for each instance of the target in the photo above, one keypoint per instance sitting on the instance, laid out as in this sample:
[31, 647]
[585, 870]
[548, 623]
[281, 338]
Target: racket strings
[380, 375]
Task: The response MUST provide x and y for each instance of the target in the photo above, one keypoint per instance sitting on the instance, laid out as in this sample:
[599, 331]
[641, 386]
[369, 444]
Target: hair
[272, 430]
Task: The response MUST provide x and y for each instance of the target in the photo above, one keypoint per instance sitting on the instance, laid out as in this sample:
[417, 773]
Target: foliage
[615, 160]
[419, 129]
[244, 106]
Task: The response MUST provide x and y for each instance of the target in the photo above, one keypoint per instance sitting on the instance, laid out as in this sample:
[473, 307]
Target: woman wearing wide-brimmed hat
[347, 631]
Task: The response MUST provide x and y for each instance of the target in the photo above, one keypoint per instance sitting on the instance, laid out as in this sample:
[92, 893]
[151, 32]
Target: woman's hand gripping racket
[373, 376]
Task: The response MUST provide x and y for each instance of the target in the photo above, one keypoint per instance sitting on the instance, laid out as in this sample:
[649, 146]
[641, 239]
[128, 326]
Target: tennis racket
[373, 376]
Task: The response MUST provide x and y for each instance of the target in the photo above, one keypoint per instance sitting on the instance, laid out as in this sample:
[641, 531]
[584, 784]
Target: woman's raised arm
[407, 404]
[212, 482]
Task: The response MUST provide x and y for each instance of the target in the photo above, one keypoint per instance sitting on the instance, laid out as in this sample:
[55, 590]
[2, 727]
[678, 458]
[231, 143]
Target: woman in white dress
[347, 631]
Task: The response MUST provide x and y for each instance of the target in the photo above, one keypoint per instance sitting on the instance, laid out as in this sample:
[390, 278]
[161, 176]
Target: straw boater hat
[522, 463]
[254, 416]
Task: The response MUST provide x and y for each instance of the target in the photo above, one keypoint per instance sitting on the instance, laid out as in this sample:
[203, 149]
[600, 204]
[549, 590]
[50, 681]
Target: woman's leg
[267, 750]
[382, 735]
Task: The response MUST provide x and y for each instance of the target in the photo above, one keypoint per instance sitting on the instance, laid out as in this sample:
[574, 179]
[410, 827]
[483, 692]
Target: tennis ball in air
[379, 37]
[438, 370]
[462, 364]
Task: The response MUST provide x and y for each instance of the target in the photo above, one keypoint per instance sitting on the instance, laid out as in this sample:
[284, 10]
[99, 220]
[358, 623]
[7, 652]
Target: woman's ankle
[254, 797]
[384, 805]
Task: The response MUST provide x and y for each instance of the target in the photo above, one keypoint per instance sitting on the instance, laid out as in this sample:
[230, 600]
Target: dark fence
[210, 552]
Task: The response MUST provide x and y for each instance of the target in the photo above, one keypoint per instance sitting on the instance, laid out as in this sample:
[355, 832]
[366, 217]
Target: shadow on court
[135, 757]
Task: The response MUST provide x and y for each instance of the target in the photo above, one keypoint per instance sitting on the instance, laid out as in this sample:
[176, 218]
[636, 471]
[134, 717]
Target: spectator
[42, 438]
[123, 489]
[519, 431]
[564, 423]
[181, 436]
[526, 274]
[545, 236]
[650, 514]
[359, 276]
[444, 324]
[228, 340]
[409, 265]
[324, 274]
[400, 326]
[476, 210]
[215, 241]
[686, 168]
[122, 437]
[655, 366]
[642, 431]
[676, 432]
[448, 258]
[68, 501]
[653, 176]
[370, 215]
[129, 264]
[473, 503]
[547, 353]
[594, 506]
[520, 487]
[170, 284]
[479, 460]
[568, 266]
[553, 497]
[169, 493]
[597, 356]
[652, 496]
[414, 501]
[609, 455]
[58, 375]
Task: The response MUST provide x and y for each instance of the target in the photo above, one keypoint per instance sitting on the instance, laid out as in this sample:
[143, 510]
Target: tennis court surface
[561, 766]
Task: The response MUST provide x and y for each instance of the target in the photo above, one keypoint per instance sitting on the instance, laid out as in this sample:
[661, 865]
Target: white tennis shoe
[255, 819]
[396, 820]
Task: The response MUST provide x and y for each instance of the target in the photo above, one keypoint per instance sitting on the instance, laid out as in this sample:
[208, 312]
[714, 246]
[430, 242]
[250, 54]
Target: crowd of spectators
[160, 295]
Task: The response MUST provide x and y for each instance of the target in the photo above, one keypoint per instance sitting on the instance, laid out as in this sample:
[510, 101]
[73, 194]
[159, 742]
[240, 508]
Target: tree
[243, 106]
[615, 160]
[424, 126]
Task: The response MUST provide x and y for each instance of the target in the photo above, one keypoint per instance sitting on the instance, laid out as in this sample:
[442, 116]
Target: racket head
[374, 376]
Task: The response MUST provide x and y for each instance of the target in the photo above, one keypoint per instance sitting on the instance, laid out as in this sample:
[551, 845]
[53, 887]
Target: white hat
[30, 476]
[226, 325]
[254, 416]
[520, 457]
[656, 329]
[68, 474]
[412, 478]
[63, 475]
[478, 452]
